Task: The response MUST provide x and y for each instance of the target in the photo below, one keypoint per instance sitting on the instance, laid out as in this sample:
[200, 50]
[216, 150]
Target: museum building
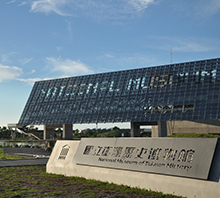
[174, 98]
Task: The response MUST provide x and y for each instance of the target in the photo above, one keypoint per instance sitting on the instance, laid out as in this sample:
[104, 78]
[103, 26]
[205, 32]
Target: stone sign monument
[181, 166]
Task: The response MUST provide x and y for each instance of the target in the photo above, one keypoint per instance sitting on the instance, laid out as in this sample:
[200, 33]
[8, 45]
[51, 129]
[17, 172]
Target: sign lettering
[180, 156]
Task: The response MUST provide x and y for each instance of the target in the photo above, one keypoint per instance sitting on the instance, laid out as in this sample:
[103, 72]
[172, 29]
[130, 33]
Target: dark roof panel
[184, 91]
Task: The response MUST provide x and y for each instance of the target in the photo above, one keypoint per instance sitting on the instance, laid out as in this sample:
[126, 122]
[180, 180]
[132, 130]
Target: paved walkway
[23, 162]
[37, 157]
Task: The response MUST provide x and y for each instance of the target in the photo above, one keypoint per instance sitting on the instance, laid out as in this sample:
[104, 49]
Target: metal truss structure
[183, 91]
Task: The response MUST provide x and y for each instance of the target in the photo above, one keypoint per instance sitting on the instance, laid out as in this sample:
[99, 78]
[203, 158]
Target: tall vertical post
[162, 128]
[135, 129]
[48, 132]
[67, 131]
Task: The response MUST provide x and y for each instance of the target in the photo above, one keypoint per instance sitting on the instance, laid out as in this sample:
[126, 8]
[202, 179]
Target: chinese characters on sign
[169, 158]
[185, 157]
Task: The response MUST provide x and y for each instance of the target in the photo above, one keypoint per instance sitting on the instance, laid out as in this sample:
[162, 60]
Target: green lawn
[33, 181]
[194, 135]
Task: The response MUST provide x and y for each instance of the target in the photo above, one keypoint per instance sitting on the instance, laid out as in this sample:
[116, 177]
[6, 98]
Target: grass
[33, 181]
[4, 156]
[194, 135]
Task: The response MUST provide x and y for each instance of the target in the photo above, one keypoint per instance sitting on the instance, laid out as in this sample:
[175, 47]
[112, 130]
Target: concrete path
[37, 157]
[23, 162]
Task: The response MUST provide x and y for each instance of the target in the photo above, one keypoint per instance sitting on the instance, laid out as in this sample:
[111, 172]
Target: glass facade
[183, 91]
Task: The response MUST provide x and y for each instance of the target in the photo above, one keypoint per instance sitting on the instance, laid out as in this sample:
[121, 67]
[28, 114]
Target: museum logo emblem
[64, 152]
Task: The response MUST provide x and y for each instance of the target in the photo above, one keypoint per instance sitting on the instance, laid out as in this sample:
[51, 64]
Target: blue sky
[44, 39]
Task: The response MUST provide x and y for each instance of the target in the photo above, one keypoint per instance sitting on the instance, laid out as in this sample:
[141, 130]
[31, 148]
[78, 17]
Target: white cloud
[68, 67]
[208, 8]
[59, 48]
[13, 1]
[140, 5]
[69, 28]
[188, 44]
[23, 3]
[33, 71]
[6, 58]
[134, 59]
[25, 61]
[191, 46]
[30, 81]
[49, 6]
[198, 10]
[97, 9]
[9, 73]
[106, 56]
[103, 69]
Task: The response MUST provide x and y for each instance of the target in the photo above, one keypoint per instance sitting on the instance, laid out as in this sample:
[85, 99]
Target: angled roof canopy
[183, 91]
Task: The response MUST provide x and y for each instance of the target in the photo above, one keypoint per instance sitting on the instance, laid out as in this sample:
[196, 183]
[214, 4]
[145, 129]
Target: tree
[77, 131]
[32, 128]
[5, 133]
[115, 128]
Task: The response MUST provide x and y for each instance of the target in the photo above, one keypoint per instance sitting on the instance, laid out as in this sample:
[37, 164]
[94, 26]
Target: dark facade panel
[183, 91]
